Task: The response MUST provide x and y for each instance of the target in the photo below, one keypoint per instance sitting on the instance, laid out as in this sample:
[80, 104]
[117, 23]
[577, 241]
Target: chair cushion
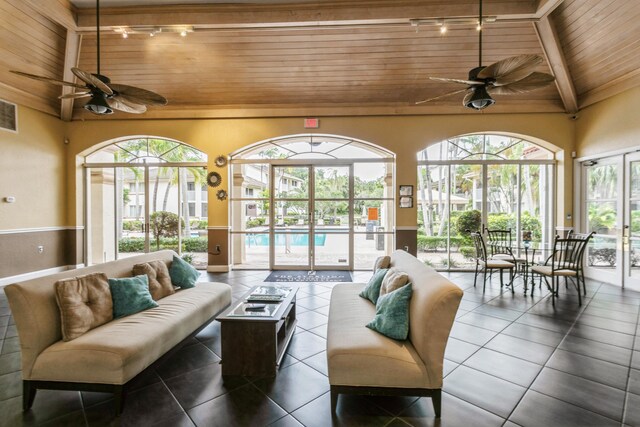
[85, 303]
[159, 280]
[497, 263]
[547, 271]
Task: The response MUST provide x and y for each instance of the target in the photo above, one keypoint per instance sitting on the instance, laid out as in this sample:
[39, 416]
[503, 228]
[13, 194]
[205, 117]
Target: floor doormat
[308, 276]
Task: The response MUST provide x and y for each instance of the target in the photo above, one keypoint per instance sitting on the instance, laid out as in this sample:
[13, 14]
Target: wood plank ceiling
[337, 57]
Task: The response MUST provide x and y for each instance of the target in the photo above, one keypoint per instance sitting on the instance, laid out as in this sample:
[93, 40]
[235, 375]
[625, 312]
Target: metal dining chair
[566, 260]
[485, 263]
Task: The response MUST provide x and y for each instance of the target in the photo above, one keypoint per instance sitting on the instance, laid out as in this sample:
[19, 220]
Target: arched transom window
[485, 147]
[146, 149]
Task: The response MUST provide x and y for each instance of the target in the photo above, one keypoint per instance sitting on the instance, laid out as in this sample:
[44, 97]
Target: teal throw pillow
[372, 290]
[130, 295]
[183, 274]
[392, 314]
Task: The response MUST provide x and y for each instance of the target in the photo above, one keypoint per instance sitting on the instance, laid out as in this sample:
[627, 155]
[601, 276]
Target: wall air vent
[8, 116]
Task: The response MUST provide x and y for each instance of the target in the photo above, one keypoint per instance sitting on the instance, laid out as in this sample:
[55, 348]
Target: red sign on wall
[313, 123]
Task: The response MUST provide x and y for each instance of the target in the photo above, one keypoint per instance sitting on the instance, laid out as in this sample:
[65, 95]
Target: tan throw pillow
[159, 280]
[382, 262]
[394, 279]
[85, 303]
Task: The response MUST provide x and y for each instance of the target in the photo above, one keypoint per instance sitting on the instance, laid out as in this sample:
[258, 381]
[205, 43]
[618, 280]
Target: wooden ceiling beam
[611, 88]
[71, 59]
[302, 14]
[545, 7]
[555, 58]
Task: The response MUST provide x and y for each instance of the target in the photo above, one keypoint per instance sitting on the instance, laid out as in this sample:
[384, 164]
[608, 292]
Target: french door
[310, 217]
[611, 208]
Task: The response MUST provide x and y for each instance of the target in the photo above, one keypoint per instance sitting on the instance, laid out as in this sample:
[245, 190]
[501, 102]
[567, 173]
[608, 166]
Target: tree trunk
[155, 191]
[167, 190]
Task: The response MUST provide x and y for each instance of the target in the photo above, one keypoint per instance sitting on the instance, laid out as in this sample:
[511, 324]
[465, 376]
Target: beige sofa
[362, 361]
[107, 357]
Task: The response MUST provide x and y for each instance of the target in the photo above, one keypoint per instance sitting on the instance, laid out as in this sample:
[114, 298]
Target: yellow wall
[609, 125]
[404, 136]
[32, 169]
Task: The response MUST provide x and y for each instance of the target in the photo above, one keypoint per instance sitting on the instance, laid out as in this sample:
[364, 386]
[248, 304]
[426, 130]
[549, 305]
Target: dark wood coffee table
[253, 344]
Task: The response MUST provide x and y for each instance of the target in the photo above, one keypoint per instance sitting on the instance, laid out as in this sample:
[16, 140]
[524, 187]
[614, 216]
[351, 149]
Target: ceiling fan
[510, 76]
[105, 96]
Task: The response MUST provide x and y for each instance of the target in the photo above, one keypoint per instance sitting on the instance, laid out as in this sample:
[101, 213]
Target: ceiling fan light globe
[480, 99]
[98, 105]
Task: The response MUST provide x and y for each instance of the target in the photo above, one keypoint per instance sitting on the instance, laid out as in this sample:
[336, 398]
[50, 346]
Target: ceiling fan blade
[464, 82]
[510, 69]
[48, 80]
[75, 95]
[441, 96]
[532, 82]
[118, 103]
[92, 80]
[138, 95]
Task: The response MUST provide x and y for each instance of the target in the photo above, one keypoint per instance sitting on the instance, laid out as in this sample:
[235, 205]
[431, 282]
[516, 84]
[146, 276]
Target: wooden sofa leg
[28, 395]
[118, 396]
[436, 398]
[334, 401]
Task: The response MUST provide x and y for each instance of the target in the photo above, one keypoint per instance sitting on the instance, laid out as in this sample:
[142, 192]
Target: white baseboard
[218, 269]
[35, 274]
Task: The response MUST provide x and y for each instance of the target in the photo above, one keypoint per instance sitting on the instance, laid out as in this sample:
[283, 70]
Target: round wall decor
[221, 195]
[214, 179]
[220, 161]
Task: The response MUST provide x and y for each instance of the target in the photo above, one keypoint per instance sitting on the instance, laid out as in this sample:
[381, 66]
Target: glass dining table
[526, 254]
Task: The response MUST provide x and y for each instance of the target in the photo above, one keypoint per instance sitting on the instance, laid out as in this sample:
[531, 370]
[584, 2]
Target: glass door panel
[331, 218]
[603, 214]
[291, 245]
[631, 237]
[130, 213]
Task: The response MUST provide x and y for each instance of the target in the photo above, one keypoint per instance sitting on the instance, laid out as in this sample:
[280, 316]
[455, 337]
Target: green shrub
[256, 222]
[132, 225]
[188, 258]
[469, 252]
[195, 244]
[198, 224]
[469, 220]
[131, 244]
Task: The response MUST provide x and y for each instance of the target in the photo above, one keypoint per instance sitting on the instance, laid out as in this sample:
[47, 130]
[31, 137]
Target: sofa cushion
[159, 280]
[351, 346]
[394, 279]
[372, 290]
[381, 262]
[183, 274]
[392, 314]
[117, 351]
[130, 295]
[85, 303]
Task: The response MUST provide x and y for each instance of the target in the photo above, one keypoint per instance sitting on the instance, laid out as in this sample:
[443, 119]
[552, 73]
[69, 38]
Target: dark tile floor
[511, 360]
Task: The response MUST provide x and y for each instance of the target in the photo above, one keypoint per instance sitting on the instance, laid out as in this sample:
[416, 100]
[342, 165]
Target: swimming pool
[284, 239]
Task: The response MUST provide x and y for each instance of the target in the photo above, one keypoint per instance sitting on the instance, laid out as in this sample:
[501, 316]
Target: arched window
[482, 181]
[143, 194]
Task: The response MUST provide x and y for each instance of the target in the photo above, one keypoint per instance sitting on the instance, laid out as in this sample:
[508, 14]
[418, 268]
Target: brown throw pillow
[394, 279]
[159, 280]
[85, 303]
[382, 262]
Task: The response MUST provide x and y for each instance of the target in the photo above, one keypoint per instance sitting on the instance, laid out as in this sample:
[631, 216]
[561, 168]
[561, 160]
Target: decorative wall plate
[214, 179]
[220, 161]
[221, 195]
